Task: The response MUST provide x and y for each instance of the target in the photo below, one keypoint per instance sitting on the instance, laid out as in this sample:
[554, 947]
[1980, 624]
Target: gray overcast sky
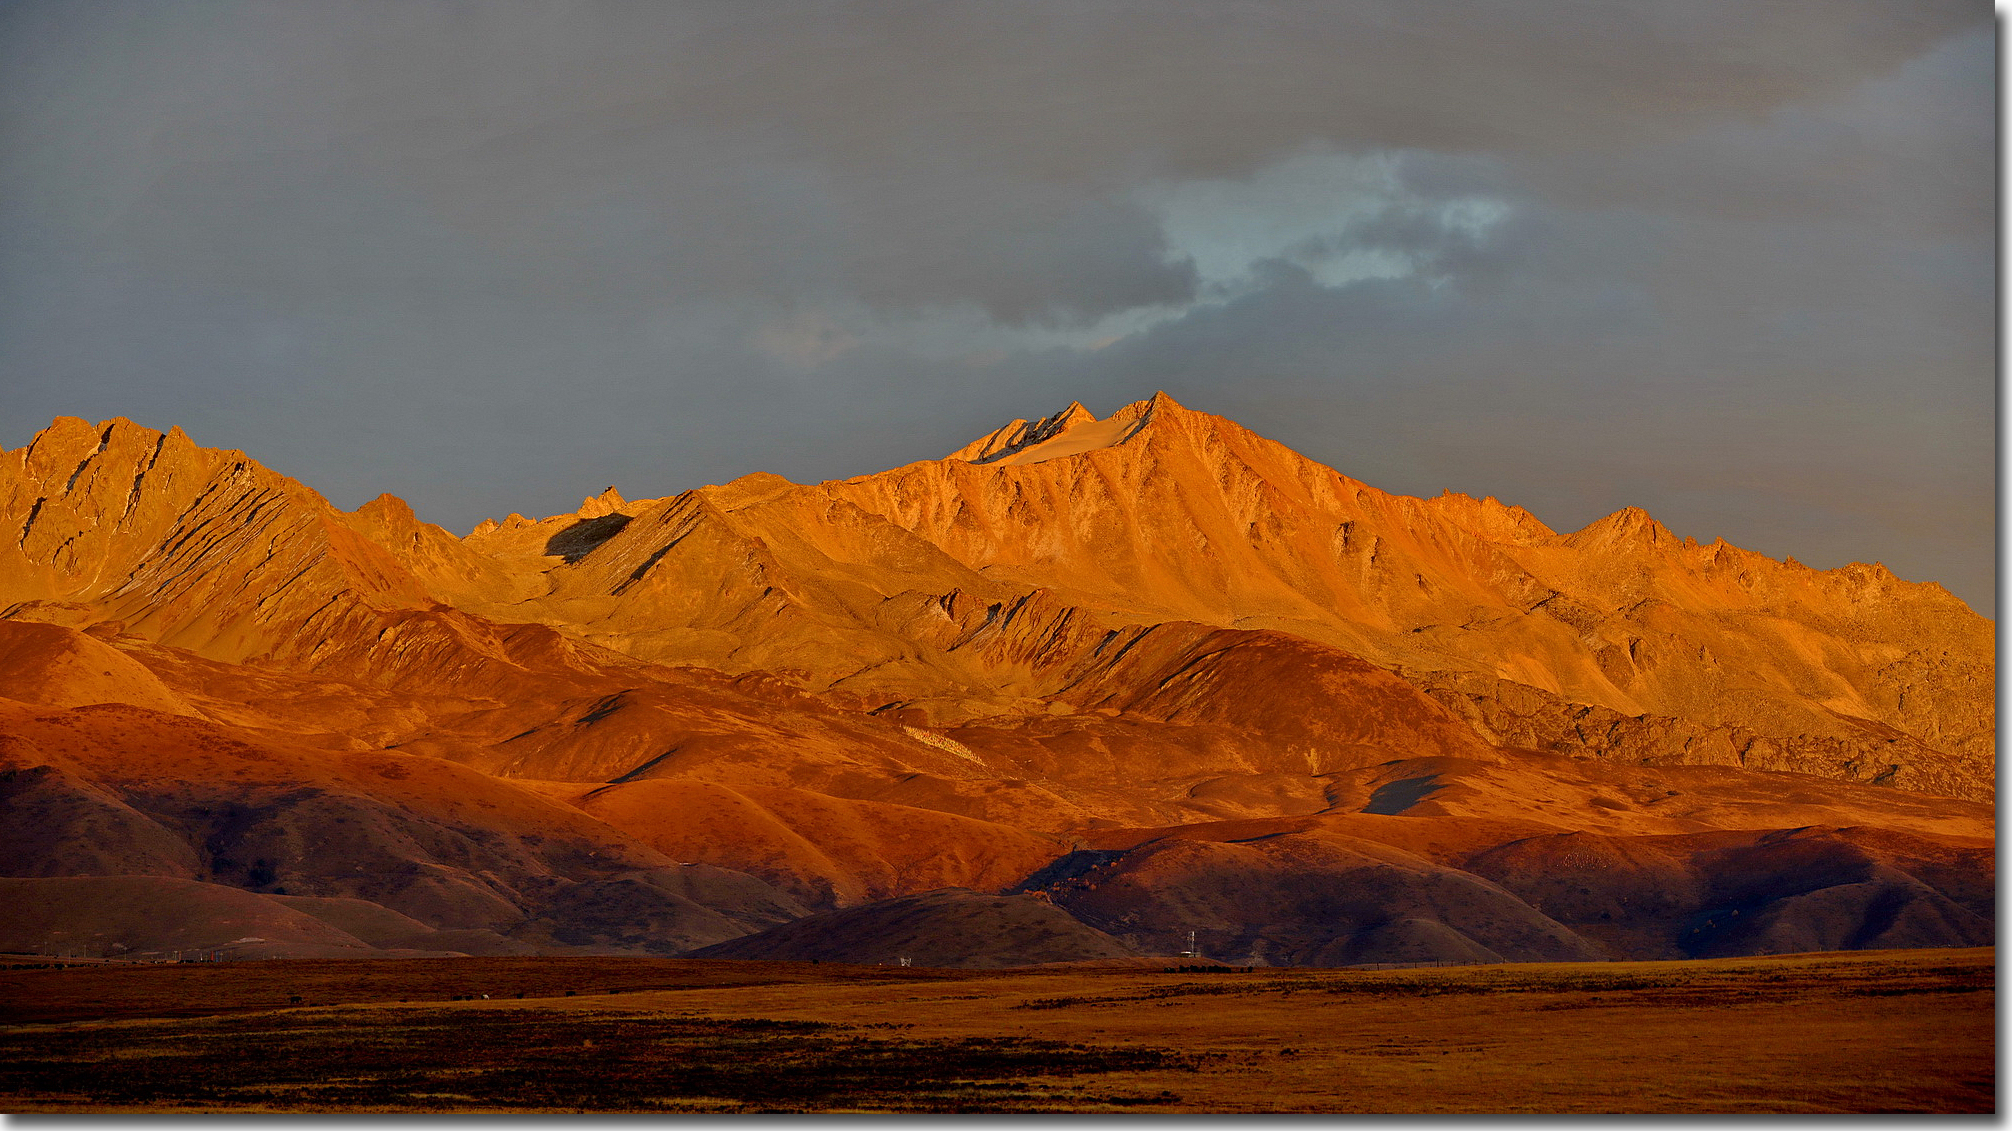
[1729, 261]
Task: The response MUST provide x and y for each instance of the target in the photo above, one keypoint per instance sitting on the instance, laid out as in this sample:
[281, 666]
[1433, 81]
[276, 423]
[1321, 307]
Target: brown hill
[121, 792]
[1311, 898]
[823, 850]
[1343, 889]
[154, 916]
[1718, 894]
[952, 927]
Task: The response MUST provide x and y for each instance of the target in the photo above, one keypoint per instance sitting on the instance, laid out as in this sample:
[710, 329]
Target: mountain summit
[1069, 432]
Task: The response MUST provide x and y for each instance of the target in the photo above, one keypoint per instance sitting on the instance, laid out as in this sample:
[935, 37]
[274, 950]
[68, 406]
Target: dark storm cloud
[907, 152]
[1727, 260]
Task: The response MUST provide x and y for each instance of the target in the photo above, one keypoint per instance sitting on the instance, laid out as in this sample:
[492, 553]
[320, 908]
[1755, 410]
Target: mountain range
[1071, 692]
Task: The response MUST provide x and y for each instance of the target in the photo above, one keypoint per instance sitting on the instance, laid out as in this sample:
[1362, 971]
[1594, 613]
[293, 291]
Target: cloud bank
[1732, 262]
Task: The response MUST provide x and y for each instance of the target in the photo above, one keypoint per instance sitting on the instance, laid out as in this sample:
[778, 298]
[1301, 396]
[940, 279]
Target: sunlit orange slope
[981, 585]
[1065, 660]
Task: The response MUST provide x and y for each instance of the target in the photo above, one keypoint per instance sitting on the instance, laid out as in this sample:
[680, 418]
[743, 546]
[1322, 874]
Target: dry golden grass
[1890, 1031]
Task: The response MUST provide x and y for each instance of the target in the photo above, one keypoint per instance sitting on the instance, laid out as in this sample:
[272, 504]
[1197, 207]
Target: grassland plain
[1873, 1031]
